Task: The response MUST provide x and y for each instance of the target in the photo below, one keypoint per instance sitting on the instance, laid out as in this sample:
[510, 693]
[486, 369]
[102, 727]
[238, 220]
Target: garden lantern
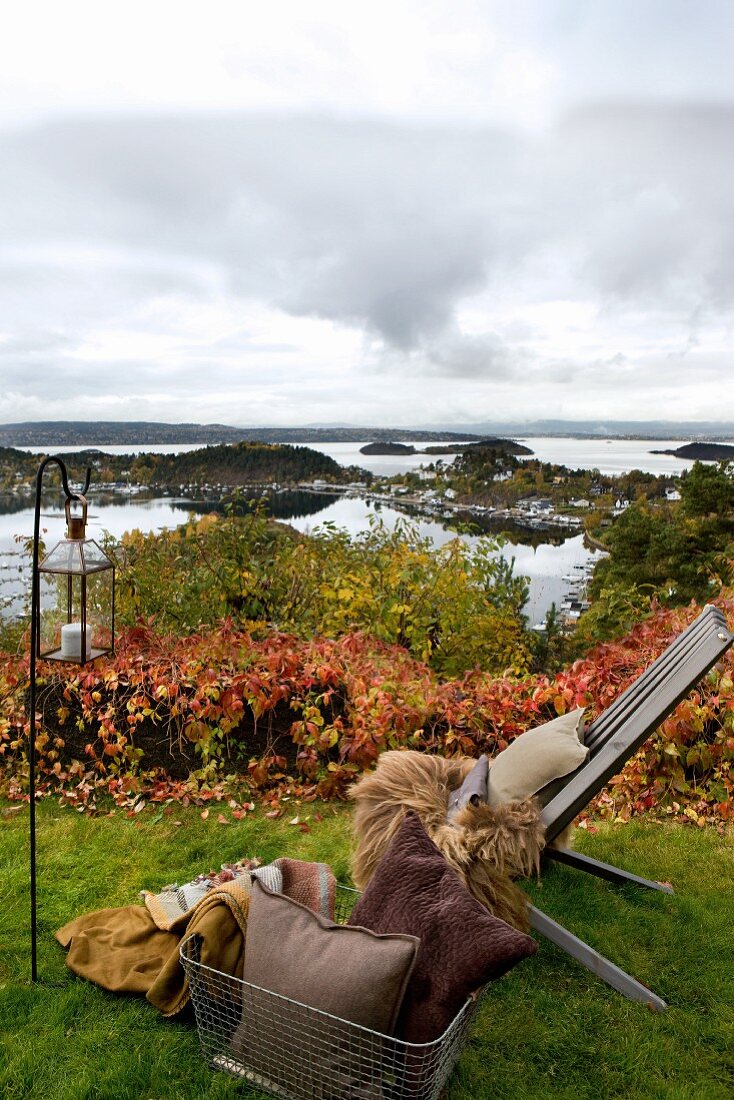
[76, 595]
[72, 619]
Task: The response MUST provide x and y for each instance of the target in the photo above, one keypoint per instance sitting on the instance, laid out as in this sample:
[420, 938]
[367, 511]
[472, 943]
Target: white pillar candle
[71, 641]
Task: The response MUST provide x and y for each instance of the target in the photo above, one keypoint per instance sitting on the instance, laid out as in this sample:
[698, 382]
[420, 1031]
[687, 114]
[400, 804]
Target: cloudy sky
[404, 212]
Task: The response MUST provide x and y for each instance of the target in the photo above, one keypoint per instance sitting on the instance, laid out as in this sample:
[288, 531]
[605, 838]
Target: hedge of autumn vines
[224, 716]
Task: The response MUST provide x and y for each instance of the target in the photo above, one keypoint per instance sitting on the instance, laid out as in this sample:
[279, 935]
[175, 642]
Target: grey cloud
[481, 358]
[361, 222]
[653, 192]
[384, 226]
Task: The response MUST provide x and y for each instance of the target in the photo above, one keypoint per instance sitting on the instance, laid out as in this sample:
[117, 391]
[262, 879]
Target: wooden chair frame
[612, 739]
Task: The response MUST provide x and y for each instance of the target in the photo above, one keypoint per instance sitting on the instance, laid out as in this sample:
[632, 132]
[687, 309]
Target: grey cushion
[473, 790]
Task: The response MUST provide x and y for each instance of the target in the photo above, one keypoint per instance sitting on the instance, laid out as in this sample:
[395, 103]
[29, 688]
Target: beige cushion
[537, 757]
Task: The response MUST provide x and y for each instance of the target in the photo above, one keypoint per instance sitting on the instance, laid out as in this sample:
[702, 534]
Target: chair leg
[593, 961]
[602, 870]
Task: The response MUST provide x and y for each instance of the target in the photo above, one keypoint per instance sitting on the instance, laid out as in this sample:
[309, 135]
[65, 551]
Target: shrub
[308, 715]
[455, 606]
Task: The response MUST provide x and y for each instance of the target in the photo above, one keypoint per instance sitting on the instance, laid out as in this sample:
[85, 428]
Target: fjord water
[608, 456]
[544, 565]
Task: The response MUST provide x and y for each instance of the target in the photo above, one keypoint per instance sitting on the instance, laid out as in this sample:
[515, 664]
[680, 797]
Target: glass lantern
[76, 605]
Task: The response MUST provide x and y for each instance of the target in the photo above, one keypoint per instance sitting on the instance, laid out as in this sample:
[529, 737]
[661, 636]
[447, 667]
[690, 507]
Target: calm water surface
[544, 565]
[609, 456]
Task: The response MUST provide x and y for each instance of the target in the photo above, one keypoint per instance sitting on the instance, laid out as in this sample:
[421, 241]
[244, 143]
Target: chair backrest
[617, 733]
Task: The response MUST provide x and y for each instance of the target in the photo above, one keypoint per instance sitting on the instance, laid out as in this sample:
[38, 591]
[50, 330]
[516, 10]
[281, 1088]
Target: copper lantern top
[76, 526]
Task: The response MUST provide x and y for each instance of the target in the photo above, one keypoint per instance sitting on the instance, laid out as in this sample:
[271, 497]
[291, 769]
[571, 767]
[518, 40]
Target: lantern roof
[76, 556]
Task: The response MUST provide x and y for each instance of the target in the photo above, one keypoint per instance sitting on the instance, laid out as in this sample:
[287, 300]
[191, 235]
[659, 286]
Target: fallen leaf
[296, 821]
[177, 822]
[273, 813]
[204, 815]
[222, 819]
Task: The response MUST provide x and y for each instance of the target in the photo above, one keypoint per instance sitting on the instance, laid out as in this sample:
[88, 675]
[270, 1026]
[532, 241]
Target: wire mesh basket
[293, 1051]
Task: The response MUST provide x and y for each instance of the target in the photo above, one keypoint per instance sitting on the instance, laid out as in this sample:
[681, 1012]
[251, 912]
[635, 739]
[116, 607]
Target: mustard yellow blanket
[124, 951]
[134, 949]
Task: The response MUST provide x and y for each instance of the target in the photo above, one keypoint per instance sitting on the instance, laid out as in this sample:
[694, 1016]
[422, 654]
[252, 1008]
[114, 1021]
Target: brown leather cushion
[414, 891]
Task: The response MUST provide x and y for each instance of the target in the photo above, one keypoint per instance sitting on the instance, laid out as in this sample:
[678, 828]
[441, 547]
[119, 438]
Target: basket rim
[188, 962]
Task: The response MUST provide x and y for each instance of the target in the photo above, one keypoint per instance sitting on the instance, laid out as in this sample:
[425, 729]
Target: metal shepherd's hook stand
[35, 645]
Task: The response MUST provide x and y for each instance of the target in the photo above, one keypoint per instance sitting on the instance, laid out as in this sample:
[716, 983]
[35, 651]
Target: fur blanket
[487, 848]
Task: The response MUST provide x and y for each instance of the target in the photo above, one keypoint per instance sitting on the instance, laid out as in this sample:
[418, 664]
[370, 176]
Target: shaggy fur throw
[487, 848]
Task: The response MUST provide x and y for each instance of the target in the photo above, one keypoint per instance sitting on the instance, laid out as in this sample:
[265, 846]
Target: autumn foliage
[453, 606]
[223, 714]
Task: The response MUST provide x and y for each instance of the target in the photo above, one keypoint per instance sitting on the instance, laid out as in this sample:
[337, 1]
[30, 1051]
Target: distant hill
[595, 429]
[100, 433]
[242, 464]
[387, 448]
[113, 433]
[483, 446]
[704, 452]
[505, 446]
[229, 464]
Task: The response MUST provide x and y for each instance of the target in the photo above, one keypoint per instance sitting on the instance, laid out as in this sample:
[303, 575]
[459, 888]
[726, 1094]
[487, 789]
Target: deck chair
[612, 739]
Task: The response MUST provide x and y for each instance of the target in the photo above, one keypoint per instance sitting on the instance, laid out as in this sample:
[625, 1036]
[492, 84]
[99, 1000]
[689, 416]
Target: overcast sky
[395, 212]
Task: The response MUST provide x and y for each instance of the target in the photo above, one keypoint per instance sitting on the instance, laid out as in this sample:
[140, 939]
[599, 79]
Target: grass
[548, 1029]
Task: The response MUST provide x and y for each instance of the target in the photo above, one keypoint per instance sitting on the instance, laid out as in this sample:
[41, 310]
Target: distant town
[99, 433]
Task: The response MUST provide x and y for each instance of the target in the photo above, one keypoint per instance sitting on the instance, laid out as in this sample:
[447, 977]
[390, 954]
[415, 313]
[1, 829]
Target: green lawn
[548, 1029]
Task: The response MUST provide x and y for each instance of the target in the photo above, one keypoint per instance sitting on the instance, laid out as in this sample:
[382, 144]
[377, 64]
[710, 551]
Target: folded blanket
[313, 884]
[220, 924]
[126, 951]
[172, 903]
